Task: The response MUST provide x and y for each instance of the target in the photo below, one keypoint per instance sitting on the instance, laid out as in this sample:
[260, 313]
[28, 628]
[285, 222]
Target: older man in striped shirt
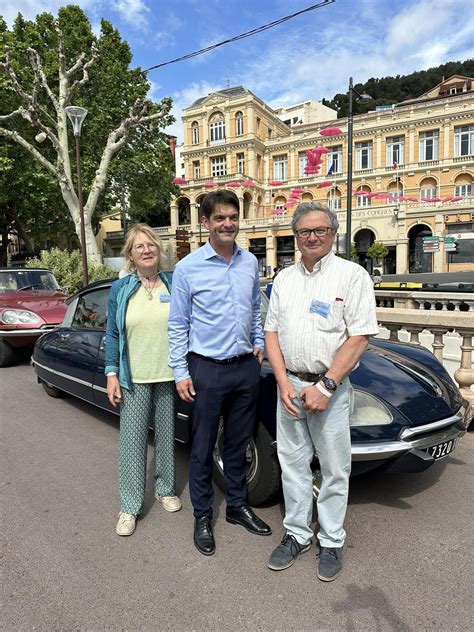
[321, 314]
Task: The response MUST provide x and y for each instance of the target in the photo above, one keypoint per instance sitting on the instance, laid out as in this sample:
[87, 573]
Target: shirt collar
[321, 265]
[209, 251]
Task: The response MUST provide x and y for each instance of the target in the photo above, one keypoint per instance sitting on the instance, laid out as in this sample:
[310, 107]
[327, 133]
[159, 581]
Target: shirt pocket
[333, 321]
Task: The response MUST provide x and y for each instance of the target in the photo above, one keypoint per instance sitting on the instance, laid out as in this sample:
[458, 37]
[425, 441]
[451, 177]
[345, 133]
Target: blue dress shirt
[215, 307]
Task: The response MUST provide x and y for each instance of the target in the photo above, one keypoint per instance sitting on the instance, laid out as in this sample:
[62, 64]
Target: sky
[308, 57]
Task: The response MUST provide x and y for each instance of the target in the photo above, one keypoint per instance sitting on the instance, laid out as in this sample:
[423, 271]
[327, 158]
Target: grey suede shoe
[286, 553]
[330, 563]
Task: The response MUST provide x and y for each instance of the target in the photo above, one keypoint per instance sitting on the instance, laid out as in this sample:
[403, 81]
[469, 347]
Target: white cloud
[183, 99]
[155, 93]
[171, 25]
[312, 65]
[31, 8]
[135, 13]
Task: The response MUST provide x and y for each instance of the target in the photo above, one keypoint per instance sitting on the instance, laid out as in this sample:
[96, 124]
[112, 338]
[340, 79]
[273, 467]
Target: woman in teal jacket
[138, 376]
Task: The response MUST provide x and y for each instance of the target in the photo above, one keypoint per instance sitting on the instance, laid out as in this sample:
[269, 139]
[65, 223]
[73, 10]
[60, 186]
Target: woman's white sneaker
[170, 503]
[126, 524]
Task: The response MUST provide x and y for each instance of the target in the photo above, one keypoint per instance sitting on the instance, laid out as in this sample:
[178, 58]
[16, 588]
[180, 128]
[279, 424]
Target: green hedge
[67, 268]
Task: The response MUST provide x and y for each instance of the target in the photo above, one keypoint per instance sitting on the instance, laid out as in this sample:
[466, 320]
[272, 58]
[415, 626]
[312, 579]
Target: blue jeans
[328, 435]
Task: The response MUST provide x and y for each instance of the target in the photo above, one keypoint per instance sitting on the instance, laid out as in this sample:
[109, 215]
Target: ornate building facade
[412, 175]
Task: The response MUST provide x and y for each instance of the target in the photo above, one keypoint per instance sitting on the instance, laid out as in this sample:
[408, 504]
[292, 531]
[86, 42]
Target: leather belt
[232, 360]
[307, 377]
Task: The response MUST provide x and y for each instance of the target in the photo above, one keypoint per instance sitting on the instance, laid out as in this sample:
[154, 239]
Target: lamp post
[77, 115]
[364, 97]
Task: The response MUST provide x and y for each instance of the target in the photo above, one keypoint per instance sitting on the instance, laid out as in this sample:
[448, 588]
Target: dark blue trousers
[230, 391]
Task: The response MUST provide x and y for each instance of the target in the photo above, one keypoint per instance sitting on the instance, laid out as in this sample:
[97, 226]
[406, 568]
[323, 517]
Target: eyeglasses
[321, 231]
[140, 248]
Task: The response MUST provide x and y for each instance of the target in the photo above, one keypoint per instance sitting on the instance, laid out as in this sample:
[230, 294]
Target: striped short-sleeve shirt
[315, 312]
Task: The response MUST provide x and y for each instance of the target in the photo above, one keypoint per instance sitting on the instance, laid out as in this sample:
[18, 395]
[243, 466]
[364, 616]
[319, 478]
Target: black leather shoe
[203, 536]
[247, 518]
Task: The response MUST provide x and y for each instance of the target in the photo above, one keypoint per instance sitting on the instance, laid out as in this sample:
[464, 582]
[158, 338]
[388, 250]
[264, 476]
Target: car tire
[52, 391]
[263, 473]
[6, 354]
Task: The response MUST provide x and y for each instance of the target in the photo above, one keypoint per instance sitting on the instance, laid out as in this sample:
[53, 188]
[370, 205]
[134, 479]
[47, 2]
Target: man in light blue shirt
[216, 343]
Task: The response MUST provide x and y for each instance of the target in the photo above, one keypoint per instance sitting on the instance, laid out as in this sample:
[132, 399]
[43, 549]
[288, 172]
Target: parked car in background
[31, 303]
[407, 414]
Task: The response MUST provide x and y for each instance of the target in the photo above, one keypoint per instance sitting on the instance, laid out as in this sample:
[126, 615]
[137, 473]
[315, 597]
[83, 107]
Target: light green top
[147, 336]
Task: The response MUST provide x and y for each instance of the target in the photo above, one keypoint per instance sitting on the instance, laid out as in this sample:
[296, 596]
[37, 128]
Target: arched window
[363, 200]
[239, 124]
[463, 185]
[217, 128]
[195, 132]
[394, 190]
[428, 189]
[334, 199]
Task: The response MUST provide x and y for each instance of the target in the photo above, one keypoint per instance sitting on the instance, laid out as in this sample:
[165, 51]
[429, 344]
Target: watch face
[328, 383]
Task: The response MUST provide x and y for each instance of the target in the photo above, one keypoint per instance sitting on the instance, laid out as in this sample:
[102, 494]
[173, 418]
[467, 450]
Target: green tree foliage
[388, 90]
[36, 208]
[67, 268]
[377, 251]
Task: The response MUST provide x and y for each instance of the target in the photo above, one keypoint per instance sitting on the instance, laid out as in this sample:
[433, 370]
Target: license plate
[443, 449]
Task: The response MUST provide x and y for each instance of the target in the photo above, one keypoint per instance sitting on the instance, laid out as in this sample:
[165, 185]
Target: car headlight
[19, 317]
[369, 411]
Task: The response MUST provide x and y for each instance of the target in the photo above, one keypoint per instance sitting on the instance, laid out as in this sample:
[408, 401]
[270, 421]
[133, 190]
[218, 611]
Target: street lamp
[77, 115]
[363, 97]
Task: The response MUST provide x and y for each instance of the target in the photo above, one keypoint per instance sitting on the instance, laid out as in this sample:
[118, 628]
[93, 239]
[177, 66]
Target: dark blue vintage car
[408, 413]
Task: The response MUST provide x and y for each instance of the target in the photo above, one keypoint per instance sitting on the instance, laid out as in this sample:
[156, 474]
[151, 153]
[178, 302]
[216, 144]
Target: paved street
[408, 557]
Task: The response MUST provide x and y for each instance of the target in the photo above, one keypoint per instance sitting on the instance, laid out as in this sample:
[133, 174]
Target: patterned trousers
[146, 406]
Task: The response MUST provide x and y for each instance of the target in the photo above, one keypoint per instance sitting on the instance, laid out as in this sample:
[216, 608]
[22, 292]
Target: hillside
[388, 90]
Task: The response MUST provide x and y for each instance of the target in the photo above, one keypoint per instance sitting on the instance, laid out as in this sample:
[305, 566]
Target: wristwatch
[329, 383]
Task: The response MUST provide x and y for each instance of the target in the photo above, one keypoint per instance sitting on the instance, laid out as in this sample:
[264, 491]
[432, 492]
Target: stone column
[446, 140]
[411, 145]
[194, 217]
[174, 215]
[204, 130]
[378, 149]
[402, 256]
[271, 249]
[464, 376]
[439, 257]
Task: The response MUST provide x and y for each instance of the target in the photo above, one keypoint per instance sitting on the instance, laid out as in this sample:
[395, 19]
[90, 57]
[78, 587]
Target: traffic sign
[450, 240]
[430, 238]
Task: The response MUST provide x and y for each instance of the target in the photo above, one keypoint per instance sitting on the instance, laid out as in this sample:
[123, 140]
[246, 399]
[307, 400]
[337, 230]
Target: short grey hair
[311, 207]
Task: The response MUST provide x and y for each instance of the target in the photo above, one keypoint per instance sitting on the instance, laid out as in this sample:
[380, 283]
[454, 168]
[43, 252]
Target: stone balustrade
[432, 301]
[438, 323]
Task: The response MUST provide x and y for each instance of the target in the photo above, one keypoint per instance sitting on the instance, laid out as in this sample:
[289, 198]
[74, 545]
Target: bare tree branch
[37, 66]
[6, 117]
[85, 69]
[8, 133]
[76, 66]
[6, 67]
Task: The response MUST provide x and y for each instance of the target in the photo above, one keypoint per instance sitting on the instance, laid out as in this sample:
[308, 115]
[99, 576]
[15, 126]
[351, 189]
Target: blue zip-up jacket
[116, 350]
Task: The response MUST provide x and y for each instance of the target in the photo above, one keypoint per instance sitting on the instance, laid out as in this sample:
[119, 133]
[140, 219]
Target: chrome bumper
[19, 333]
[432, 434]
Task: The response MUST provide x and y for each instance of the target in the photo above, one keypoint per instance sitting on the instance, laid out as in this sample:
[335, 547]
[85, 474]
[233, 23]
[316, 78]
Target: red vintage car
[31, 303]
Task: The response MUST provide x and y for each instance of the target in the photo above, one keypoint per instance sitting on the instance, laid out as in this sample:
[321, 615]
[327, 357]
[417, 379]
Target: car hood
[50, 306]
[409, 380]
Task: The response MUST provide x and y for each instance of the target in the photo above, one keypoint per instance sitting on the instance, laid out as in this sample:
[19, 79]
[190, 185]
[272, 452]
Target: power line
[254, 31]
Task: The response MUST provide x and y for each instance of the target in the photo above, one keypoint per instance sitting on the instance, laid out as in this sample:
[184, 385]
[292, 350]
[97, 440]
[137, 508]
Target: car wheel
[6, 353]
[263, 469]
[51, 390]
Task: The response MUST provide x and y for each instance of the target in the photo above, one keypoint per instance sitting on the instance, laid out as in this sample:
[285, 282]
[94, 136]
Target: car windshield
[17, 280]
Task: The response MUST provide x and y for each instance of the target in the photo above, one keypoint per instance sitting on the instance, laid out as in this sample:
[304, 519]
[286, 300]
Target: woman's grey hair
[310, 207]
